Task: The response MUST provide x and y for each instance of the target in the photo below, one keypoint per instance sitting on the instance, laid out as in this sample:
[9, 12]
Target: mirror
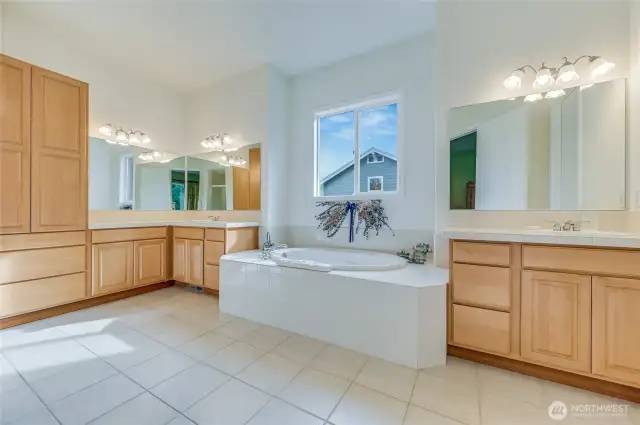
[216, 185]
[119, 179]
[563, 153]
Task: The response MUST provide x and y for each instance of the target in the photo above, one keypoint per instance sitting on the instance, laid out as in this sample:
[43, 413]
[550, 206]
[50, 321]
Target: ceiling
[190, 45]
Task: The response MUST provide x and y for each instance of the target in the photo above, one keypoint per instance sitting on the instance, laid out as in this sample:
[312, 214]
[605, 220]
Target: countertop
[546, 236]
[186, 223]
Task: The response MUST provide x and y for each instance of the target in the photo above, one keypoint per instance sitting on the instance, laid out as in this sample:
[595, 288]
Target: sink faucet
[214, 217]
[568, 226]
[268, 247]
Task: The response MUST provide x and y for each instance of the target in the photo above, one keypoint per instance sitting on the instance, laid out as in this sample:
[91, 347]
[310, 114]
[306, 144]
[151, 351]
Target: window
[375, 184]
[126, 182]
[356, 150]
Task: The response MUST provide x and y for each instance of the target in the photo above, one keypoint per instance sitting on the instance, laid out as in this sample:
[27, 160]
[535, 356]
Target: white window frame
[381, 183]
[368, 103]
[374, 156]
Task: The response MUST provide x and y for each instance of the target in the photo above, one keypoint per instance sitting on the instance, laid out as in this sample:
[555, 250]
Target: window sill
[359, 196]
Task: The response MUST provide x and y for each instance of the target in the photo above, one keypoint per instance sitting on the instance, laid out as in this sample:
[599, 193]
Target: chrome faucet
[214, 217]
[568, 226]
[268, 247]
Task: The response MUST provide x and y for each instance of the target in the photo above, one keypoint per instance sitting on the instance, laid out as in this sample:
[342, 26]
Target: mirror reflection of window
[126, 182]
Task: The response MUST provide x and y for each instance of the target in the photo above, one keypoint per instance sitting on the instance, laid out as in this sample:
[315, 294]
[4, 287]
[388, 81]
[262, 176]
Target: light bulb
[232, 161]
[226, 139]
[106, 130]
[600, 66]
[586, 86]
[543, 77]
[554, 93]
[217, 143]
[205, 143]
[567, 74]
[224, 157]
[533, 97]
[121, 135]
[133, 138]
[145, 139]
[514, 81]
[156, 154]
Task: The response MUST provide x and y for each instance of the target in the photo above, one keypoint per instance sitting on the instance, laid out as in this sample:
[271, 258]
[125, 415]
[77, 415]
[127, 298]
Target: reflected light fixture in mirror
[554, 93]
[217, 141]
[533, 97]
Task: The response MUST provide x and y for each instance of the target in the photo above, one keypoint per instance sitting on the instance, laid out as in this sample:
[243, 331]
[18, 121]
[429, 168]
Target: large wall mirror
[120, 179]
[561, 153]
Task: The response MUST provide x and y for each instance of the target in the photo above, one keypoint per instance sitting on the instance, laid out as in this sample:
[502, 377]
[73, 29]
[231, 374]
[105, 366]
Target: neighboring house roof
[350, 163]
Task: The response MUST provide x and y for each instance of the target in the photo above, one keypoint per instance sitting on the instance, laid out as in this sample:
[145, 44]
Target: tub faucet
[268, 247]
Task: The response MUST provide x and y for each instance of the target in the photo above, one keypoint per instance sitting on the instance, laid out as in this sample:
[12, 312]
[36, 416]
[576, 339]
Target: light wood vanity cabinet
[188, 261]
[112, 267]
[575, 309]
[149, 262]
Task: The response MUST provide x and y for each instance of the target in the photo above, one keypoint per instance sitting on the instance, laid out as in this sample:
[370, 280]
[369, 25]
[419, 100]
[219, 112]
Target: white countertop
[186, 223]
[583, 237]
[413, 275]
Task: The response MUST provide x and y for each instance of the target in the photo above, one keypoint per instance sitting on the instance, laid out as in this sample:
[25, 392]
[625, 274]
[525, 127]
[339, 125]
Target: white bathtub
[321, 259]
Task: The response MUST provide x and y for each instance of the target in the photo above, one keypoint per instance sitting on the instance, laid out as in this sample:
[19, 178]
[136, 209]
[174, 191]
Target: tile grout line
[406, 412]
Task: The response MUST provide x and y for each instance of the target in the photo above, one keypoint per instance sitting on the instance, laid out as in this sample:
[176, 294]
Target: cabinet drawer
[41, 240]
[16, 266]
[125, 235]
[586, 260]
[23, 297]
[188, 233]
[212, 252]
[484, 330]
[212, 276]
[482, 285]
[214, 235]
[482, 253]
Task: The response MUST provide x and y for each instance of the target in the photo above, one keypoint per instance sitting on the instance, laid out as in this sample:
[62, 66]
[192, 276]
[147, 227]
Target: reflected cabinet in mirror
[120, 179]
[563, 153]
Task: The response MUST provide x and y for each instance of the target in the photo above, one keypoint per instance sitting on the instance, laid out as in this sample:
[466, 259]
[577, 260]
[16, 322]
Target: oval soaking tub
[321, 259]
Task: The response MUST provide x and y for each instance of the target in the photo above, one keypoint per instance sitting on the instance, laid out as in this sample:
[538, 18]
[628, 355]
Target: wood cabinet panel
[212, 276]
[58, 152]
[112, 267]
[484, 330]
[41, 240]
[616, 329]
[23, 297]
[214, 235]
[149, 263]
[16, 266]
[254, 179]
[180, 259]
[188, 233]
[195, 262]
[15, 142]
[481, 285]
[556, 319]
[125, 235]
[240, 188]
[481, 253]
[212, 252]
[582, 260]
[242, 239]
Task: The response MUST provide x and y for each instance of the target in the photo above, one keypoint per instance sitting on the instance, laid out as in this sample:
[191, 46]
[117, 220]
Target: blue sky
[336, 136]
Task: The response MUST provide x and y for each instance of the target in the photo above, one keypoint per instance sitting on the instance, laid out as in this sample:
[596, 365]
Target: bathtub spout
[268, 251]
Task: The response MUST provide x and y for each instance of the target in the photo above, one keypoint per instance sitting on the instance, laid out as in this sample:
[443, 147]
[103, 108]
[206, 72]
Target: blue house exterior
[378, 172]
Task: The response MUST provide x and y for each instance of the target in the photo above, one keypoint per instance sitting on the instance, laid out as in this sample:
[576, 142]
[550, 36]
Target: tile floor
[170, 357]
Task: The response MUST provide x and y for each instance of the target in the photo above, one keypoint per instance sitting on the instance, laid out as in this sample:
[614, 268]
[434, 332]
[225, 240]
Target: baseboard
[560, 376]
[79, 305]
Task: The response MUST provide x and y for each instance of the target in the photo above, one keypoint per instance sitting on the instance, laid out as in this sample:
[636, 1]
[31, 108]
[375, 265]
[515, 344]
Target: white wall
[480, 42]
[407, 67]
[152, 187]
[114, 96]
[104, 176]
[633, 112]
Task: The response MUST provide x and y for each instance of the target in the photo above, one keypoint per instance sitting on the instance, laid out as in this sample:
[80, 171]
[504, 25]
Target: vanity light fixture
[533, 97]
[149, 155]
[564, 73]
[124, 137]
[217, 141]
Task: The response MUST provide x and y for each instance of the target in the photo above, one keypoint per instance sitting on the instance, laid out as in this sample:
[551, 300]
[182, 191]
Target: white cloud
[371, 119]
[344, 134]
[339, 119]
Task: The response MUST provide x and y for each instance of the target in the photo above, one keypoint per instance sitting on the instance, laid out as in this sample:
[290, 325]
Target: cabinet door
[112, 267]
[240, 188]
[180, 259]
[15, 126]
[149, 262]
[195, 262]
[556, 319]
[616, 334]
[58, 152]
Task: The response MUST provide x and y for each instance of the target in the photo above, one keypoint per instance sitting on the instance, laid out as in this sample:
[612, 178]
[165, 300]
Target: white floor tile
[270, 373]
[512, 385]
[232, 404]
[235, 358]
[419, 416]
[29, 334]
[38, 417]
[266, 337]
[238, 328]
[500, 410]
[189, 386]
[160, 368]
[280, 413]
[447, 398]
[463, 371]
[9, 377]
[316, 392]
[362, 406]
[169, 330]
[181, 420]
[388, 378]
[205, 346]
[18, 403]
[96, 400]
[67, 382]
[300, 349]
[145, 409]
[123, 348]
[340, 362]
